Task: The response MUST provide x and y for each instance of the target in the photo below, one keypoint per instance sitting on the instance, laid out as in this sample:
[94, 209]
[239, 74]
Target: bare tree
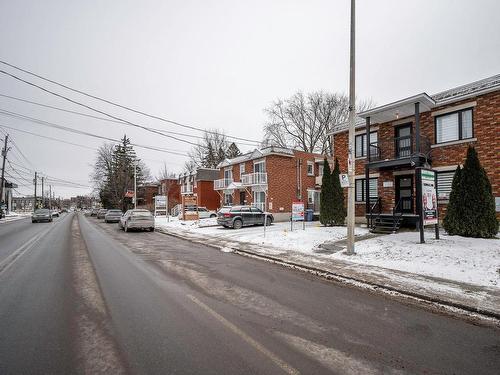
[305, 121]
[206, 153]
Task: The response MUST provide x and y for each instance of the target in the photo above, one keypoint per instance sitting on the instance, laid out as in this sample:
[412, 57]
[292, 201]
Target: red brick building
[198, 186]
[170, 188]
[145, 195]
[421, 131]
[271, 178]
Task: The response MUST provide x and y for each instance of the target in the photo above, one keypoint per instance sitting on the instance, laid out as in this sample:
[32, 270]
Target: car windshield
[114, 211]
[225, 210]
[42, 211]
[141, 213]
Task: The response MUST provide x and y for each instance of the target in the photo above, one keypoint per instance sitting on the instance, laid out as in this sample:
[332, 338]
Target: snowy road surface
[83, 297]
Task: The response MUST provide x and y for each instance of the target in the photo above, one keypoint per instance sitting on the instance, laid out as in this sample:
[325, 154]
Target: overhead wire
[118, 105]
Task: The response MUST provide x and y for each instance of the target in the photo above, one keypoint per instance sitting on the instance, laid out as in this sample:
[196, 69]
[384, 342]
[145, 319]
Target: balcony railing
[398, 148]
[222, 183]
[187, 189]
[252, 179]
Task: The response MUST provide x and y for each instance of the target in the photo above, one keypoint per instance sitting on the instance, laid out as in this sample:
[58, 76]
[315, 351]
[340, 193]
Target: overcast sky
[220, 63]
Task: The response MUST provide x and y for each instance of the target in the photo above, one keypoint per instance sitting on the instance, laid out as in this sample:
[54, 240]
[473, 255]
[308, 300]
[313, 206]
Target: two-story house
[197, 188]
[271, 178]
[421, 131]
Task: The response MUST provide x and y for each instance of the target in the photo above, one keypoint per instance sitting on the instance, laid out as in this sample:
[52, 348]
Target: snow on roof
[455, 94]
[255, 154]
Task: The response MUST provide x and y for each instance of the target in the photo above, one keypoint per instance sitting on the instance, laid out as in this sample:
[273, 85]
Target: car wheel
[33, 221]
[152, 229]
[213, 215]
[269, 221]
[237, 224]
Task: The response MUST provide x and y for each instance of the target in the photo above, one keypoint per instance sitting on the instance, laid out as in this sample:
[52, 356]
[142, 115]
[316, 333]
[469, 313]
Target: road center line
[279, 362]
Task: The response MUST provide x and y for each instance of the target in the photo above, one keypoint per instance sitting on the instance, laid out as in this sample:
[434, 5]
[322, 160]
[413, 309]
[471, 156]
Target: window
[454, 126]
[259, 199]
[242, 168]
[360, 143]
[228, 199]
[321, 167]
[310, 168]
[444, 181]
[360, 193]
[228, 174]
[259, 166]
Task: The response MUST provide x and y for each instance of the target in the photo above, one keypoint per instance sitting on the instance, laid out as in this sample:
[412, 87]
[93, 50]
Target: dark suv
[239, 216]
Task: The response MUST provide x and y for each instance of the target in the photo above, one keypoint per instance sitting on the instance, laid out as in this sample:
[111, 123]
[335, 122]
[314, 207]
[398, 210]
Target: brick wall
[486, 127]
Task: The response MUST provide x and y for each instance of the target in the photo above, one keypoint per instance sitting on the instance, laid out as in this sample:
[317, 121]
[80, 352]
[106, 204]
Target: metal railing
[398, 148]
[256, 178]
[375, 209]
[222, 183]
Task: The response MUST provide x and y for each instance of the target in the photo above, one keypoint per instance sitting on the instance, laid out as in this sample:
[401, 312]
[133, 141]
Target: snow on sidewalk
[465, 260]
[470, 260]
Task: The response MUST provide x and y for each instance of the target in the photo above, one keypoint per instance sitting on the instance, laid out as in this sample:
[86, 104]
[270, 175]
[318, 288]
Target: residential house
[146, 193]
[170, 188]
[271, 178]
[197, 188]
[421, 131]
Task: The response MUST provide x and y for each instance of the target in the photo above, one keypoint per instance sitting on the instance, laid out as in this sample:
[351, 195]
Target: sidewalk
[12, 216]
[480, 296]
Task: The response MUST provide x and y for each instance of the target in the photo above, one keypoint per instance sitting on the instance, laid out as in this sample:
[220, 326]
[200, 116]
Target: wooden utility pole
[43, 195]
[4, 155]
[35, 181]
[352, 121]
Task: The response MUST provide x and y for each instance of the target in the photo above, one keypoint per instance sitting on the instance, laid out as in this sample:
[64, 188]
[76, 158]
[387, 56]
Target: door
[242, 197]
[403, 141]
[246, 215]
[404, 191]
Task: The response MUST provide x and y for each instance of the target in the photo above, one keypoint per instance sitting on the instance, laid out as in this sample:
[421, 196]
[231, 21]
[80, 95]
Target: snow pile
[470, 260]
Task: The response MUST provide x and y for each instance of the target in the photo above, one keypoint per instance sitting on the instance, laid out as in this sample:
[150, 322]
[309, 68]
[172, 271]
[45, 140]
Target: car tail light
[227, 215]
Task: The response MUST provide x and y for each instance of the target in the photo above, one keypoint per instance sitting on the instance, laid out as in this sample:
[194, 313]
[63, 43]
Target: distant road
[87, 297]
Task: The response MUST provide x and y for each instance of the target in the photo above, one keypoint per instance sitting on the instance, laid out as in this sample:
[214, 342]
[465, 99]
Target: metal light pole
[35, 180]
[4, 155]
[135, 184]
[352, 120]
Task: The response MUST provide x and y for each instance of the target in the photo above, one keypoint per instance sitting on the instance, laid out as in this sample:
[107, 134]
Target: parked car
[94, 212]
[203, 212]
[42, 214]
[137, 219]
[113, 216]
[240, 216]
[55, 213]
[101, 213]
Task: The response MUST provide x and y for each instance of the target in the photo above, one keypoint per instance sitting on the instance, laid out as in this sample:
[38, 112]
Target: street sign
[344, 180]
[297, 211]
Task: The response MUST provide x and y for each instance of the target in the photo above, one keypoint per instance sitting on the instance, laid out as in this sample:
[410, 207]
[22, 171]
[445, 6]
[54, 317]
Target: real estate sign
[297, 211]
[160, 204]
[429, 197]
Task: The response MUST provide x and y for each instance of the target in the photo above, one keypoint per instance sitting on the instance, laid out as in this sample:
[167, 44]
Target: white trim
[446, 168]
[406, 120]
[471, 95]
[310, 163]
[423, 98]
[454, 108]
[372, 175]
[360, 158]
[451, 143]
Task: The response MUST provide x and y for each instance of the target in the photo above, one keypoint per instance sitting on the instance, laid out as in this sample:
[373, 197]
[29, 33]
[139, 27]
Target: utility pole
[35, 180]
[4, 155]
[43, 195]
[352, 120]
[135, 184]
[50, 197]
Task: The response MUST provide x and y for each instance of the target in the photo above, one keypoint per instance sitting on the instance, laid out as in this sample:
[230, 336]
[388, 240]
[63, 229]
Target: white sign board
[344, 180]
[297, 211]
[160, 204]
[387, 184]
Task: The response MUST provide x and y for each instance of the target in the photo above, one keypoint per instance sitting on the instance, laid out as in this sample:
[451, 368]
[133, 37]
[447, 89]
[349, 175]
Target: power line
[71, 130]
[96, 110]
[120, 105]
[108, 119]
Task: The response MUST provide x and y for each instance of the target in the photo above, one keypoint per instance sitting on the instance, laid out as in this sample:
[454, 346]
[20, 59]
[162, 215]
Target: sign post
[427, 204]
[160, 204]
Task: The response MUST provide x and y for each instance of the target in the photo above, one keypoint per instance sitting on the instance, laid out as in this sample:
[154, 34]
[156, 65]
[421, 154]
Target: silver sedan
[137, 219]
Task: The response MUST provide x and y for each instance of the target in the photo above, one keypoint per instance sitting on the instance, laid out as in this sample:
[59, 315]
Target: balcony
[399, 151]
[187, 189]
[318, 180]
[254, 179]
[222, 183]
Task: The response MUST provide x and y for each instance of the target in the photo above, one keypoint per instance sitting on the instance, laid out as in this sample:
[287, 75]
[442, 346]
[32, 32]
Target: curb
[329, 275]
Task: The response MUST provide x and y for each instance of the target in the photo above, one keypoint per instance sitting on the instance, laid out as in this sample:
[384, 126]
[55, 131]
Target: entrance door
[242, 197]
[403, 141]
[404, 191]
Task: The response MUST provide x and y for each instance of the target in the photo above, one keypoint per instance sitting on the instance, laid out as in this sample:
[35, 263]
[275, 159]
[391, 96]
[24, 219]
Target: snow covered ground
[470, 260]
[11, 216]
[278, 235]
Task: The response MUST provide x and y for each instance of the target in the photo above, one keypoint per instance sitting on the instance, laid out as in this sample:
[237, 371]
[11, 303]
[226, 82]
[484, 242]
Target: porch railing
[398, 148]
[375, 209]
[252, 179]
[222, 183]
[187, 189]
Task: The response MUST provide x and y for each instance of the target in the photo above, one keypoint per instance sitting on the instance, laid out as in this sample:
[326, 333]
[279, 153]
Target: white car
[203, 212]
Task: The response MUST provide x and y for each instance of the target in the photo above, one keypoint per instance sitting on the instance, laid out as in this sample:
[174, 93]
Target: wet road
[87, 297]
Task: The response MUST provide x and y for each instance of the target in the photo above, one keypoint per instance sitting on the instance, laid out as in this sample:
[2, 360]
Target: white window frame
[242, 168]
[310, 164]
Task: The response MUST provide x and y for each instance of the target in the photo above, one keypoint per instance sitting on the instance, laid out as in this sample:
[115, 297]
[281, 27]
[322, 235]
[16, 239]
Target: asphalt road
[88, 298]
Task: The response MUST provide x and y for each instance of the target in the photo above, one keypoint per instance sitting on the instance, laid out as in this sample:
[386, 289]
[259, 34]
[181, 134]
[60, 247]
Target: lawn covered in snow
[278, 235]
[471, 260]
